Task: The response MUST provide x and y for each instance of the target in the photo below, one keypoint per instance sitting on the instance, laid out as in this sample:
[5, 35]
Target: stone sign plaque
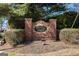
[40, 30]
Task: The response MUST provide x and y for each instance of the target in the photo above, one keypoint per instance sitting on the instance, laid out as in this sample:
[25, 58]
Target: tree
[4, 9]
[41, 11]
[44, 10]
[18, 9]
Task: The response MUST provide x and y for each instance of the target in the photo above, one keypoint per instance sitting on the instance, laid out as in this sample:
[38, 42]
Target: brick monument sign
[40, 30]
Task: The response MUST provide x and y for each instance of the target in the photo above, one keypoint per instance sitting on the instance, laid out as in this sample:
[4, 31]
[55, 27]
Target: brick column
[53, 27]
[28, 28]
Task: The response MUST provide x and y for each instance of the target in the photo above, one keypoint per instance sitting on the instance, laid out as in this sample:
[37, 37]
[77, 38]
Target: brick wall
[49, 34]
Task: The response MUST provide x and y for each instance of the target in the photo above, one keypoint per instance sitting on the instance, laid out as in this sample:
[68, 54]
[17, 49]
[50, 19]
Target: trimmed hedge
[2, 35]
[69, 35]
[2, 38]
[14, 36]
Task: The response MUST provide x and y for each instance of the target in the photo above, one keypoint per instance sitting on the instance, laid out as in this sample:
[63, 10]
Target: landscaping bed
[42, 48]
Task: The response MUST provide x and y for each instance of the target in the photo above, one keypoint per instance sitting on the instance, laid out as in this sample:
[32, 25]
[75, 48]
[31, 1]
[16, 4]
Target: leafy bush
[18, 9]
[2, 39]
[16, 23]
[14, 36]
[69, 35]
[1, 36]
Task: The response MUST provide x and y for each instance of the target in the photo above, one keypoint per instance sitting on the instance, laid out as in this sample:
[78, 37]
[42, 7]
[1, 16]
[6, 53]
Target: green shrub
[2, 40]
[16, 23]
[2, 36]
[14, 36]
[69, 35]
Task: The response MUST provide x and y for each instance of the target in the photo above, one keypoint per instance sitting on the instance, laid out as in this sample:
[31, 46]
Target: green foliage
[66, 20]
[74, 20]
[14, 36]
[11, 23]
[35, 11]
[58, 7]
[4, 9]
[40, 11]
[61, 19]
[16, 23]
[68, 35]
[1, 36]
[19, 9]
[4, 6]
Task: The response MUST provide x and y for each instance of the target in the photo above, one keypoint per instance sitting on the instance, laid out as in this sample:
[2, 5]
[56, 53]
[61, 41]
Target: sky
[4, 24]
[71, 6]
